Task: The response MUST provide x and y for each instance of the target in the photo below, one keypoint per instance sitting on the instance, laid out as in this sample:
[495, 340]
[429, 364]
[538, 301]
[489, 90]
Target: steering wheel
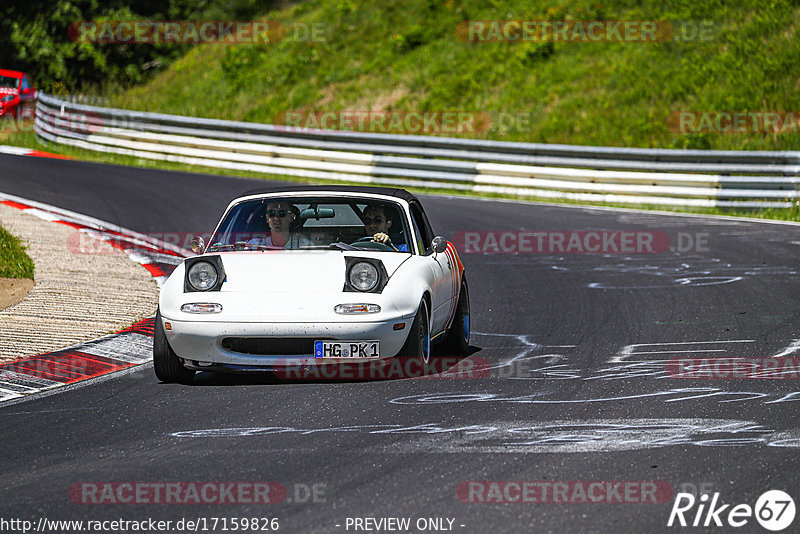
[367, 242]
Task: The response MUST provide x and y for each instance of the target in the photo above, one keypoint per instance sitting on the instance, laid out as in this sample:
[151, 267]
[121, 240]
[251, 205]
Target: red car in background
[17, 94]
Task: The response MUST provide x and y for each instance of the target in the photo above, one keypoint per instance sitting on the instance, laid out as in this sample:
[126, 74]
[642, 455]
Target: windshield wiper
[219, 246]
[240, 245]
[343, 246]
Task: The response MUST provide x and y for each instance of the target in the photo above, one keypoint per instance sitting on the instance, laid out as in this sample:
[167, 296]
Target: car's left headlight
[7, 98]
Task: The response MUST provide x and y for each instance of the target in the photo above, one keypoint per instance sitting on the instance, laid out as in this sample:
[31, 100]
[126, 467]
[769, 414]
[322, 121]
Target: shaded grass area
[29, 140]
[410, 55]
[14, 262]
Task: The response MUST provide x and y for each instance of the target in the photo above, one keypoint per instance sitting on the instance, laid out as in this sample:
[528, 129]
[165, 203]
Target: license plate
[362, 350]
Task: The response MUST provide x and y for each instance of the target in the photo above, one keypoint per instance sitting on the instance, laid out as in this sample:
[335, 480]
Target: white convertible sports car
[312, 276]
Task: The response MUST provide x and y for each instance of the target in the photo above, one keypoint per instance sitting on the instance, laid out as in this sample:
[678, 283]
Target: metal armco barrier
[704, 178]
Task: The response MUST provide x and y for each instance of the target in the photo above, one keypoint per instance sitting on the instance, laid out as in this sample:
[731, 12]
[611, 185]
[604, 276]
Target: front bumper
[200, 343]
[9, 108]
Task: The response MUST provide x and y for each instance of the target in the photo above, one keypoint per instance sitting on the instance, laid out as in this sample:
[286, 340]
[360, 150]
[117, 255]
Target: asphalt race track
[581, 387]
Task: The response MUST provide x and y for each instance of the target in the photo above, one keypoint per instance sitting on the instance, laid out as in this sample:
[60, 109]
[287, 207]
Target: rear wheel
[457, 341]
[418, 344]
[27, 112]
[167, 365]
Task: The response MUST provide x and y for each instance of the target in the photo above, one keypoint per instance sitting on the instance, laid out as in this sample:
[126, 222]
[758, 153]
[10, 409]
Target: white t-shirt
[295, 241]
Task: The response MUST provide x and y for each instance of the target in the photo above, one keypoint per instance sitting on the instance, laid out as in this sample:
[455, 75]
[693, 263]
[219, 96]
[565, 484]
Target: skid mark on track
[557, 436]
[688, 272]
[519, 365]
[670, 395]
[645, 271]
[562, 435]
[535, 361]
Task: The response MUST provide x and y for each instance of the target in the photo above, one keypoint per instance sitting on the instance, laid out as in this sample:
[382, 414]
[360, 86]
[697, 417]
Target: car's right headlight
[204, 273]
[203, 276]
[7, 98]
[363, 276]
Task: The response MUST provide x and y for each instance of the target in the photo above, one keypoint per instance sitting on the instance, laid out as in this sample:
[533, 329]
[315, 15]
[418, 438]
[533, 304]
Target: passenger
[280, 217]
[378, 225]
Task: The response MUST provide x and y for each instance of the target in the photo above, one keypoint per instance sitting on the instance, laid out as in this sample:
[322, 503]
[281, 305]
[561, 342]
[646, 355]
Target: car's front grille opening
[269, 346]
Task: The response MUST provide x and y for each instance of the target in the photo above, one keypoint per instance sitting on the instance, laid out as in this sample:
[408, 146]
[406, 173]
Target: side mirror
[198, 245]
[439, 244]
[27, 91]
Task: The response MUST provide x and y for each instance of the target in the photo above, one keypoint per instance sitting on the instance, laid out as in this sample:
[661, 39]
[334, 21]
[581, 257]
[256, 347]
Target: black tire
[26, 112]
[167, 365]
[457, 340]
[418, 343]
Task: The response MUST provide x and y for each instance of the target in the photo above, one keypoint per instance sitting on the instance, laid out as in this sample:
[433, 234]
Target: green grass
[29, 140]
[404, 55]
[14, 262]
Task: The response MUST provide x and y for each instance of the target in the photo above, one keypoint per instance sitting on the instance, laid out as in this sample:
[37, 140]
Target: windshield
[313, 222]
[9, 82]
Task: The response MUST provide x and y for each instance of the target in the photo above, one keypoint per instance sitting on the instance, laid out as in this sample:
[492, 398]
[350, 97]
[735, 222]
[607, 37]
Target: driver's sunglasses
[370, 220]
[279, 213]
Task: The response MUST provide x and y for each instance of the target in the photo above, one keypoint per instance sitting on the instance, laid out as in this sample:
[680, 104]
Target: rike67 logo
[774, 510]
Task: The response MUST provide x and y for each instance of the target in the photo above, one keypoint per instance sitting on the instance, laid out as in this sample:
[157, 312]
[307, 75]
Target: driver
[280, 215]
[377, 225]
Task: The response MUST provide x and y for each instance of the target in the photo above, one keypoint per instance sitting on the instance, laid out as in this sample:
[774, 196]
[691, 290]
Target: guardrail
[704, 178]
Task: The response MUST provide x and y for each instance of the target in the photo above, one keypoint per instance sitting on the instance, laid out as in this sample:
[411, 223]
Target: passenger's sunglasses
[370, 220]
[278, 213]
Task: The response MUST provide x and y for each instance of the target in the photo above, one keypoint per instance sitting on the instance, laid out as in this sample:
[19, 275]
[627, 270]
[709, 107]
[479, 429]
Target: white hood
[295, 271]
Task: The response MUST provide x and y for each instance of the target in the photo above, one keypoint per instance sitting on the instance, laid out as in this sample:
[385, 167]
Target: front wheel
[418, 344]
[26, 112]
[457, 341]
[167, 365]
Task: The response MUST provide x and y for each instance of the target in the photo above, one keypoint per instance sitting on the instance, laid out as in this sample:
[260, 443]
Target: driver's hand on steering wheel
[384, 239]
[380, 237]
